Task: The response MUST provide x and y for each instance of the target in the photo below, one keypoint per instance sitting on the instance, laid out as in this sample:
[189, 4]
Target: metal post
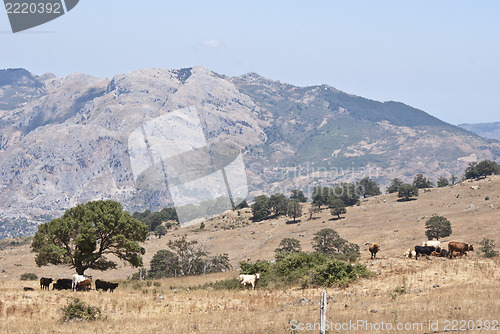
[322, 315]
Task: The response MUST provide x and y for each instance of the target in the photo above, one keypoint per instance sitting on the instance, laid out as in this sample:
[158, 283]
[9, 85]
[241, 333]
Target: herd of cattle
[432, 247]
[77, 283]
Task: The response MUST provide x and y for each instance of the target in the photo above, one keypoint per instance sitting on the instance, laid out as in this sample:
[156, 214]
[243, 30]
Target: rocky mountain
[65, 140]
[485, 130]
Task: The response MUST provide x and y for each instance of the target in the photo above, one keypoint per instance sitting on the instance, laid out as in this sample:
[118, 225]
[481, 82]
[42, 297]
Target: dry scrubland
[401, 290]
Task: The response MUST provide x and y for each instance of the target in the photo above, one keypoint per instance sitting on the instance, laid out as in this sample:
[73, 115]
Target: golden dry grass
[401, 291]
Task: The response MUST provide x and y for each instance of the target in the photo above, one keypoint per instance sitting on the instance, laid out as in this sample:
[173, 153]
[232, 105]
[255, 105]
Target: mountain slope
[64, 141]
[485, 130]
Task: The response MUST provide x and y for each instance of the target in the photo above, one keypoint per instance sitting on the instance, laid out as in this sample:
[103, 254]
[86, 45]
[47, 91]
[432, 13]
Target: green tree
[288, 245]
[487, 247]
[160, 231]
[367, 187]
[298, 195]
[421, 182]
[294, 209]
[218, 263]
[86, 234]
[337, 207]
[347, 192]
[164, 264]
[394, 186]
[481, 169]
[260, 208]
[407, 191]
[279, 204]
[328, 241]
[320, 196]
[437, 227]
[442, 182]
[191, 256]
[453, 179]
[243, 204]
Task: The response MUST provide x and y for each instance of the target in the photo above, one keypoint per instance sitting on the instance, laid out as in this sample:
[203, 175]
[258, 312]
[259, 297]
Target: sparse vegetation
[79, 310]
[487, 247]
[442, 182]
[29, 277]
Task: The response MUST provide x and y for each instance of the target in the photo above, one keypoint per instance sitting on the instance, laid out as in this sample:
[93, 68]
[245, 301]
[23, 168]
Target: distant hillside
[64, 141]
[485, 130]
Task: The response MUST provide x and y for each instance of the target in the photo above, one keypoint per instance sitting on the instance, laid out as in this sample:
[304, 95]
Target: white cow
[249, 279]
[434, 243]
[77, 279]
[410, 253]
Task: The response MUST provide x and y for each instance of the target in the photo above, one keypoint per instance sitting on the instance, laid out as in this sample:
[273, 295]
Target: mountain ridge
[63, 141]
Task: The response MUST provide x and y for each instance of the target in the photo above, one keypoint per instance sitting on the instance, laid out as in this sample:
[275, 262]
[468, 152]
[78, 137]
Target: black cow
[62, 284]
[45, 283]
[103, 285]
[424, 250]
[444, 253]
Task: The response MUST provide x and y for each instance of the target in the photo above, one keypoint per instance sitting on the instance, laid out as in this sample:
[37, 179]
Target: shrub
[336, 272]
[77, 309]
[29, 277]
[488, 248]
[248, 268]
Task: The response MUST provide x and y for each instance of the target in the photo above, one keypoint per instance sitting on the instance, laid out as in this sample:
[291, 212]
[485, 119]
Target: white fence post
[322, 315]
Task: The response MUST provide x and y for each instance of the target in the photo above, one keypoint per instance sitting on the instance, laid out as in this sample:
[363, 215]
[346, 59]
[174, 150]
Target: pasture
[401, 291]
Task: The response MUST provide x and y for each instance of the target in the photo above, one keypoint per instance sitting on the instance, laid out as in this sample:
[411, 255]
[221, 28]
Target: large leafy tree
[288, 245]
[421, 182]
[481, 169]
[279, 204]
[437, 227]
[298, 195]
[407, 191]
[394, 186]
[294, 210]
[337, 207]
[367, 187]
[261, 208]
[86, 234]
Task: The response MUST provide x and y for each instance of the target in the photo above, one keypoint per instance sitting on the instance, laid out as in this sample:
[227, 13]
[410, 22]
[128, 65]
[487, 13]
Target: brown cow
[85, 285]
[374, 248]
[460, 247]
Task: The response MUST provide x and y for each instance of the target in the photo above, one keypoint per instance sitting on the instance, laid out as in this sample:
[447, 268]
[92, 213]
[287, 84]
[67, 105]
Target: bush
[488, 248]
[29, 277]
[80, 310]
[336, 272]
[248, 268]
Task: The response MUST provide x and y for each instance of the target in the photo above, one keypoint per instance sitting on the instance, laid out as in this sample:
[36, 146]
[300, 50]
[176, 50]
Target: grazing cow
[249, 279]
[45, 283]
[77, 279]
[424, 250]
[460, 247]
[103, 285]
[443, 253]
[434, 243]
[62, 284]
[374, 248]
[410, 253]
[84, 285]
[28, 289]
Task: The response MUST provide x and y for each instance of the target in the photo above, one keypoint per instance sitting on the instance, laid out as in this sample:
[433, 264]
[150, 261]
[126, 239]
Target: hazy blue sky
[440, 56]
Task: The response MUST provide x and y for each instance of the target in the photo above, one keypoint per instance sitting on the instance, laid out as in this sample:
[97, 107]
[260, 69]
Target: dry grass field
[401, 290]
